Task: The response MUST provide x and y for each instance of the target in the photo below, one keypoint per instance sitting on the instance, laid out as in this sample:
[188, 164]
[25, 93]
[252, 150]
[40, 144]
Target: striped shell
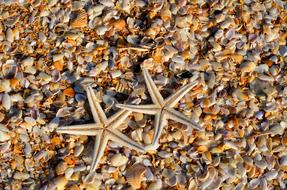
[122, 88]
[81, 20]
[135, 175]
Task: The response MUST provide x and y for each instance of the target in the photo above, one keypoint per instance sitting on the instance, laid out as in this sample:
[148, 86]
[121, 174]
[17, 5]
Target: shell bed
[235, 51]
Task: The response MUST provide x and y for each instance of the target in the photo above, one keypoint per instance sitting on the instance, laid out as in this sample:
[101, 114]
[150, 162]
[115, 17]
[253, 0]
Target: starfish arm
[118, 118]
[172, 100]
[101, 141]
[152, 89]
[150, 109]
[118, 137]
[159, 123]
[97, 111]
[181, 118]
[85, 129]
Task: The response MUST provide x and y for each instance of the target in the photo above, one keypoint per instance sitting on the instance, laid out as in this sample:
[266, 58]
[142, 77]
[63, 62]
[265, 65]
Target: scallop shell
[81, 20]
[135, 175]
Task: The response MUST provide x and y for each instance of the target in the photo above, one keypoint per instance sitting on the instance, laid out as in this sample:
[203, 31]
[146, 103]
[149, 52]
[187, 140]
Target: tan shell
[135, 175]
[81, 20]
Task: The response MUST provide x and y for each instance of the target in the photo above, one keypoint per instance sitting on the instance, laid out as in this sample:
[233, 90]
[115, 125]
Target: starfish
[104, 129]
[162, 109]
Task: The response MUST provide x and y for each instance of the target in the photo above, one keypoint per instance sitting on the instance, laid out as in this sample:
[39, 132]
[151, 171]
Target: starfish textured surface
[104, 129]
[162, 109]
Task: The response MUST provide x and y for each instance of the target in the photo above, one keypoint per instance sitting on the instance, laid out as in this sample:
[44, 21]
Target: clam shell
[9, 35]
[118, 160]
[6, 101]
[9, 69]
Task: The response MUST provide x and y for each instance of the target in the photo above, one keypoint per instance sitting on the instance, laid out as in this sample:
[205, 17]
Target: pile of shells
[237, 50]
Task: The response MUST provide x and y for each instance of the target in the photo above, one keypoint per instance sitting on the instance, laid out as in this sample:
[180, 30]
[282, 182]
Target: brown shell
[81, 20]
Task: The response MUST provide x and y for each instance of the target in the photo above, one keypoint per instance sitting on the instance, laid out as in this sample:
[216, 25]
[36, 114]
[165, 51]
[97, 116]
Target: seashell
[61, 168]
[271, 175]
[283, 51]
[80, 98]
[42, 37]
[21, 176]
[283, 161]
[204, 177]
[135, 175]
[6, 101]
[171, 181]
[239, 186]
[262, 68]
[164, 154]
[80, 168]
[101, 30]
[116, 73]
[40, 155]
[11, 21]
[58, 57]
[183, 22]
[216, 183]
[140, 3]
[60, 182]
[5, 86]
[68, 173]
[9, 69]
[27, 149]
[212, 174]
[56, 76]
[81, 19]
[122, 88]
[107, 3]
[78, 150]
[28, 61]
[263, 184]
[157, 185]
[54, 123]
[76, 5]
[192, 184]
[9, 35]
[253, 183]
[181, 179]
[90, 178]
[5, 147]
[4, 136]
[265, 78]
[60, 29]
[118, 160]
[230, 34]
[52, 3]
[247, 67]
[262, 164]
